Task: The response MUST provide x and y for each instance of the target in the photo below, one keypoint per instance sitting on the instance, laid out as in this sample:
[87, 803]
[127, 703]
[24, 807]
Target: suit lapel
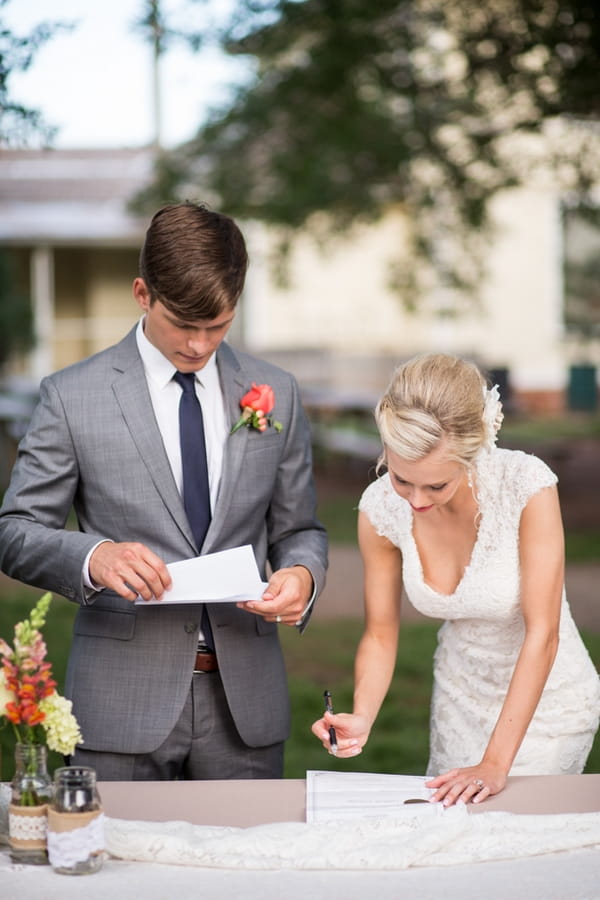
[131, 392]
[234, 384]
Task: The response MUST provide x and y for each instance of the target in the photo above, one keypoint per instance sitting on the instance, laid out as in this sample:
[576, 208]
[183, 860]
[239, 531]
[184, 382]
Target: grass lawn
[321, 659]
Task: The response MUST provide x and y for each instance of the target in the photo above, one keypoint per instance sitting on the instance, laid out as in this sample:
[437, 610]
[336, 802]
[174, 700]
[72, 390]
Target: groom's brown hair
[194, 261]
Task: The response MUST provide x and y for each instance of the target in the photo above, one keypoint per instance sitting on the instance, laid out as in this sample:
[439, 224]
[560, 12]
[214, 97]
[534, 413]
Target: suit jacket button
[190, 627]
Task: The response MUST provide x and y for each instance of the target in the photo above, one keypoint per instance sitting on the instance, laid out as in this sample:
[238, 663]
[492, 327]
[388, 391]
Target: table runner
[452, 838]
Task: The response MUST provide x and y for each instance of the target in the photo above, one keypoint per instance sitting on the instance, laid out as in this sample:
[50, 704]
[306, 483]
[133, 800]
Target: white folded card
[228, 576]
[333, 796]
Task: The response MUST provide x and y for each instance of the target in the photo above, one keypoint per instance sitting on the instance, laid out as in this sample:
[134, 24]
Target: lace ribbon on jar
[27, 826]
[75, 839]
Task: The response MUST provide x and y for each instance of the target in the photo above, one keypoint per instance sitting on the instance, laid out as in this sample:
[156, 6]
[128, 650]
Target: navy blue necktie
[196, 493]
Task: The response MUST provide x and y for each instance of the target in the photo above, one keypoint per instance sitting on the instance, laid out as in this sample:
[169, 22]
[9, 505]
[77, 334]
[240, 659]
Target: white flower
[60, 725]
[492, 416]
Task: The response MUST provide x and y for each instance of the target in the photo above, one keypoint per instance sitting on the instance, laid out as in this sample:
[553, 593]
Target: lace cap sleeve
[528, 474]
[387, 512]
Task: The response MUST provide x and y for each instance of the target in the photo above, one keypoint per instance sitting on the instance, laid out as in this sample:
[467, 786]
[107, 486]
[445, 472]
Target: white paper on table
[335, 796]
[228, 576]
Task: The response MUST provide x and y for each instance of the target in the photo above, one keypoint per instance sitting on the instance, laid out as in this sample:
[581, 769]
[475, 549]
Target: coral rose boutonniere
[257, 405]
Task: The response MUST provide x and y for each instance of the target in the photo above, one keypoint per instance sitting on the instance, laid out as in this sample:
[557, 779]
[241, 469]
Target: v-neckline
[468, 565]
[429, 586]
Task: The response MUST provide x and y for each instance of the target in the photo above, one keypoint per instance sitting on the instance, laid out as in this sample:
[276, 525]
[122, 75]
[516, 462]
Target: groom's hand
[286, 596]
[129, 569]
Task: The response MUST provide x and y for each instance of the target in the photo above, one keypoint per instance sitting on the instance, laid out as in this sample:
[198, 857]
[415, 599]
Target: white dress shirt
[165, 394]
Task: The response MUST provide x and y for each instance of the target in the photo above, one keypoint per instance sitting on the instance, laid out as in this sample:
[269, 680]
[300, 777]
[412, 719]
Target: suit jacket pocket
[97, 621]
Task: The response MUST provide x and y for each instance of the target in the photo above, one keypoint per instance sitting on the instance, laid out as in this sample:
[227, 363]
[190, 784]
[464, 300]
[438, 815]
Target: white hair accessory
[492, 416]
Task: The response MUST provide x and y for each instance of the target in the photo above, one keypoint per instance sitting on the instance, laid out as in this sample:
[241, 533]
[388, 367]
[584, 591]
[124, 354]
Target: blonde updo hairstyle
[430, 398]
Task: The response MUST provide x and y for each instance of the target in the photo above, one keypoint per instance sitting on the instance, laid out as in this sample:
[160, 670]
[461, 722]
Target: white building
[337, 325]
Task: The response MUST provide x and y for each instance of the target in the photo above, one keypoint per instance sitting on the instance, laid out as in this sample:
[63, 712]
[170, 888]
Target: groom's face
[187, 344]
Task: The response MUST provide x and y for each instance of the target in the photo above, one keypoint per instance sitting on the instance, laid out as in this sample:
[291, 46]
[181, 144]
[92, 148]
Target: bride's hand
[469, 785]
[351, 732]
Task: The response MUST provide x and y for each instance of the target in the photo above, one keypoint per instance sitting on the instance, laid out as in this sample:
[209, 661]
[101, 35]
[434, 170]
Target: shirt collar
[160, 370]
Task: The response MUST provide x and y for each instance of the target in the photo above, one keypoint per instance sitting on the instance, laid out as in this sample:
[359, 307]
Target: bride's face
[426, 483]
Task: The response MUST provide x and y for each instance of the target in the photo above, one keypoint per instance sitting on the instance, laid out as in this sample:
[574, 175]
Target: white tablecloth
[496, 855]
[560, 876]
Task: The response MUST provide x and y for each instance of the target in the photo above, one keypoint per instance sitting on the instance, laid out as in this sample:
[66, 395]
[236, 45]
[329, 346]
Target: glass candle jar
[75, 822]
[31, 790]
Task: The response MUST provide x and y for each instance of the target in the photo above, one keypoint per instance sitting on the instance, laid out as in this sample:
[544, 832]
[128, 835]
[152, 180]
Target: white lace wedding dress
[479, 642]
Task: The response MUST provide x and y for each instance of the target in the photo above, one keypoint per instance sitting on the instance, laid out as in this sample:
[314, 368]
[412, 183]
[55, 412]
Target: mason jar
[75, 822]
[31, 790]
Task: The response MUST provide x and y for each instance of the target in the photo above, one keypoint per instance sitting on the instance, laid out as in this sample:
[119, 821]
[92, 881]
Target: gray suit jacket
[93, 445]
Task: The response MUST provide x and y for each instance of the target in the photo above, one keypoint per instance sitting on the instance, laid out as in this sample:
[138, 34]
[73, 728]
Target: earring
[470, 477]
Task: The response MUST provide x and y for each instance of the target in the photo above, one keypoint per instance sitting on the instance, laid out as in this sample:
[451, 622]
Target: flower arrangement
[28, 696]
[256, 405]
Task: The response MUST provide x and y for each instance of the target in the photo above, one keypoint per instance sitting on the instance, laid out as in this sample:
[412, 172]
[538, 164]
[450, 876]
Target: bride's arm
[541, 550]
[376, 655]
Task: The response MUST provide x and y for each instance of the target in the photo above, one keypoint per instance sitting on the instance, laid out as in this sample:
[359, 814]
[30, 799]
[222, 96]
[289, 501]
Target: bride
[474, 533]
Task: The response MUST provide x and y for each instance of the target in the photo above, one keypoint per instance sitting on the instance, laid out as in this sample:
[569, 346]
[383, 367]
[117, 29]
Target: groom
[180, 691]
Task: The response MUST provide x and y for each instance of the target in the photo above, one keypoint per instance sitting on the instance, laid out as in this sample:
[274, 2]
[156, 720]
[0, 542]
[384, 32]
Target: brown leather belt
[205, 661]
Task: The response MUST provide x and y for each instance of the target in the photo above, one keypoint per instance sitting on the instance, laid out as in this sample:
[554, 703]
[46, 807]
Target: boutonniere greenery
[256, 406]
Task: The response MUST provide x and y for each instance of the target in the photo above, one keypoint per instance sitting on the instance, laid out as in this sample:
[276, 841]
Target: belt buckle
[211, 665]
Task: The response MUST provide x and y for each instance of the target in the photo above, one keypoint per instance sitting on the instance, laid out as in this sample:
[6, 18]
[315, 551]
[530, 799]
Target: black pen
[332, 734]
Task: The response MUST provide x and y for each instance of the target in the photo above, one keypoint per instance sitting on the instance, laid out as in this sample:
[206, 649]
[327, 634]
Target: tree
[582, 274]
[425, 107]
[20, 124]
[16, 316]
[156, 30]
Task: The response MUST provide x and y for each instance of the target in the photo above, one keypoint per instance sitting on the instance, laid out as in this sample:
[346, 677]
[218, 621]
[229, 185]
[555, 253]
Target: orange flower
[256, 405]
[260, 398]
[13, 713]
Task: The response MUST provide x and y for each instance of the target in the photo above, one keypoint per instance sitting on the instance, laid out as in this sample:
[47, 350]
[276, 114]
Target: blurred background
[410, 176]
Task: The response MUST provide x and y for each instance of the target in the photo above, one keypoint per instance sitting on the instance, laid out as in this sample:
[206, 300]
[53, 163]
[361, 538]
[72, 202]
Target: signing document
[229, 576]
[335, 796]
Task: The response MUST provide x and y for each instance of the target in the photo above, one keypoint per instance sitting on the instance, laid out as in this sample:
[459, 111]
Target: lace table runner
[453, 838]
